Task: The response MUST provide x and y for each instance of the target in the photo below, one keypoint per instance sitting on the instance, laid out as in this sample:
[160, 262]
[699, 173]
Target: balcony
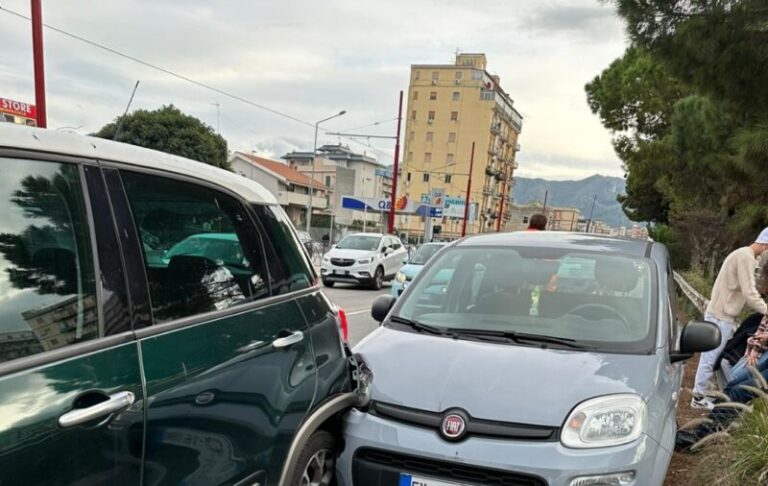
[286, 198]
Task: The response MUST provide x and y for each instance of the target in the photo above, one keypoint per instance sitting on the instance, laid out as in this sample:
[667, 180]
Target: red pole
[501, 205]
[37, 50]
[391, 224]
[469, 191]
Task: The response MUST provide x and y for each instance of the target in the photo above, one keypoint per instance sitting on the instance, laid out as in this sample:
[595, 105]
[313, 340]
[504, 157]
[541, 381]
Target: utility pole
[501, 204]
[37, 52]
[469, 191]
[314, 160]
[396, 165]
[125, 113]
[218, 117]
[589, 221]
[391, 222]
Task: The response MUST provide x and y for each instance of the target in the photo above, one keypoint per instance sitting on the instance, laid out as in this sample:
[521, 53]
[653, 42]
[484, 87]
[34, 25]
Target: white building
[290, 187]
[345, 173]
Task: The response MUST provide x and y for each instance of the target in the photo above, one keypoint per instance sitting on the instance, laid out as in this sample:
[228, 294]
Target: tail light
[343, 325]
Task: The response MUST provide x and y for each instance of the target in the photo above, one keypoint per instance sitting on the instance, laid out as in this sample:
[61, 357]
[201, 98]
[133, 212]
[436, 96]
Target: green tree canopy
[635, 98]
[688, 109]
[169, 130]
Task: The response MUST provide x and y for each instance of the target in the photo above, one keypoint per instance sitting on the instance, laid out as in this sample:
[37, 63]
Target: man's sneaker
[702, 403]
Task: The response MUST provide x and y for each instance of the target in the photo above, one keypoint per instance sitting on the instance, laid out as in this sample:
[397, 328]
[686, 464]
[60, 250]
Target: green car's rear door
[70, 384]
[229, 365]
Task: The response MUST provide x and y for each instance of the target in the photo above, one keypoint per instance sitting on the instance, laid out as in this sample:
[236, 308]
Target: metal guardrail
[692, 294]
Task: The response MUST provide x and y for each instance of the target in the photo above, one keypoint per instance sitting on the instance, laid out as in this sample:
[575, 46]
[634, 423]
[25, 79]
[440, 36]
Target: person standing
[733, 289]
[538, 222]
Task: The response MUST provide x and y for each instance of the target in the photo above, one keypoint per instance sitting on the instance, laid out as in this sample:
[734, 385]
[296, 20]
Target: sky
[310, 59]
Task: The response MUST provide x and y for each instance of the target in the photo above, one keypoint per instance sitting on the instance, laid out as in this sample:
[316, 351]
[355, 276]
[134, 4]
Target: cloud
[587, 21]
[311, 59]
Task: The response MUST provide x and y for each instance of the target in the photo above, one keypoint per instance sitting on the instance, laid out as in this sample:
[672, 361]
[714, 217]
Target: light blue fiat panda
[543, 359]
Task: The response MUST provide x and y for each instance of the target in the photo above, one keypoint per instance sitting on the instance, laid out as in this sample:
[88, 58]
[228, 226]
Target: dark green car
[159, 324]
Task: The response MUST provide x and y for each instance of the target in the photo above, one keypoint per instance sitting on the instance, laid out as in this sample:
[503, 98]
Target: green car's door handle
[290, 340]
[113, 404]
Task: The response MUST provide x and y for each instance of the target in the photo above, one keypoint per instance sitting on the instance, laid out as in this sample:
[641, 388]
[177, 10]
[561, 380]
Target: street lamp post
[314, 156]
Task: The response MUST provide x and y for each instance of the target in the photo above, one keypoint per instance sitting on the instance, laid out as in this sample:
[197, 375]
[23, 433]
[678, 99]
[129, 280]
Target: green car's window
[201, 252]
[289, 269]
[48, 297]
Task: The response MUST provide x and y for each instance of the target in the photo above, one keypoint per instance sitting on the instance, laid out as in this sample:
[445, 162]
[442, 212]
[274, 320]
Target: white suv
[364, 258]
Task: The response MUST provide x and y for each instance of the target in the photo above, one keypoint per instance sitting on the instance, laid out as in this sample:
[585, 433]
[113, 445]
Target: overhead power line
[164, 70]
[183, 77]
[369, 125]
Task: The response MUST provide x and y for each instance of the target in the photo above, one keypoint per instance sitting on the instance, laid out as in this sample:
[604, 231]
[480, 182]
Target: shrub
[741, 457]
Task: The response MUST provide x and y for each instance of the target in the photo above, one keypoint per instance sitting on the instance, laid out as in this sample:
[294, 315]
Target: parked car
[159, 324]
[543, 359]
[308, 243]
[366, 259]
[413, 266]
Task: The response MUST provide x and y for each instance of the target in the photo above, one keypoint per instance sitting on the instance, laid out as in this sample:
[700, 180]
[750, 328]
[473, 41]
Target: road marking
[358, 312]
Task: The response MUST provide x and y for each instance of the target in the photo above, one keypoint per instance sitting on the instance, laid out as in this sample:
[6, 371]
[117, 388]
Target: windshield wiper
[519, 337]
[418, 325]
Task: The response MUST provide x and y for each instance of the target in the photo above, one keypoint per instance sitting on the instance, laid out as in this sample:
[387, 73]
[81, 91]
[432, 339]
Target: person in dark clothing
[723, 414]
[538, 222]
[736, 347]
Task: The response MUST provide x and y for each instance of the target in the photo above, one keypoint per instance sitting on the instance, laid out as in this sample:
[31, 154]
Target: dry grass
[739, 456]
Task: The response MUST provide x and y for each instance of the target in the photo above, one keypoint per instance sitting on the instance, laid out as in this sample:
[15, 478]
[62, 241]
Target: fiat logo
[453, 426]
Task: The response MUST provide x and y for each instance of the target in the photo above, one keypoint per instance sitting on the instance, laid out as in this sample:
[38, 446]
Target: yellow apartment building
[563, 219]
[450, 106]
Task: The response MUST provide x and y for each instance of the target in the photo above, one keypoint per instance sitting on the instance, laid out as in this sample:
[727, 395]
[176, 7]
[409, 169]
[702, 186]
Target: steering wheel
[603, 307]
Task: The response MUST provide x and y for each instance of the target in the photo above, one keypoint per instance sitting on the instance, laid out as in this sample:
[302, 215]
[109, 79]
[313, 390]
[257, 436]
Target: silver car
[524, 359]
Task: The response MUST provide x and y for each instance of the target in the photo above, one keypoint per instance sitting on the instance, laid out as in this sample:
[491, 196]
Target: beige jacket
[735, 287]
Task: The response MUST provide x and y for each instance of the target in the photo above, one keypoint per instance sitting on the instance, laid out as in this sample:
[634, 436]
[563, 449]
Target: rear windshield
[601, 301]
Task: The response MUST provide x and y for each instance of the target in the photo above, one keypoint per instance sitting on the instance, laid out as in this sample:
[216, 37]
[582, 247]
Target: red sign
[18, 108]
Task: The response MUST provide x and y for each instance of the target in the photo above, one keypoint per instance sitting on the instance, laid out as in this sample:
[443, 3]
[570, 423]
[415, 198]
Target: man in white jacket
[734, 288]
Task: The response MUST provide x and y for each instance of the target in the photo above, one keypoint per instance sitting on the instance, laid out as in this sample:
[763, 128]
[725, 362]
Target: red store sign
[18, 108]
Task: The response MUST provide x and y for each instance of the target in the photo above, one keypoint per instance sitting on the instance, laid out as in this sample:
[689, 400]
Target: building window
[448, 178]
[525, 219]
[418, 75]
[459, 75]
[450, 159]
[410, 156]
[415, 95]
[454, 116]
[431, 116]
[413, 115]
[413, 134]
[456, 96]
[408, 177]
[435, 76]
[476, 75]
[425, 177]
[433, 95]
[452, 137]
[427, 157]
[430, 136]
[327, 181]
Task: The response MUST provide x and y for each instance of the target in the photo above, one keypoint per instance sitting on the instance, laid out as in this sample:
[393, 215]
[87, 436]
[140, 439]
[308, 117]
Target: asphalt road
[356, 302]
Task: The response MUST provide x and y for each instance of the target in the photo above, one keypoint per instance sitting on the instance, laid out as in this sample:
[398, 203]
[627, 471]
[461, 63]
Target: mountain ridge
[578, 194]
